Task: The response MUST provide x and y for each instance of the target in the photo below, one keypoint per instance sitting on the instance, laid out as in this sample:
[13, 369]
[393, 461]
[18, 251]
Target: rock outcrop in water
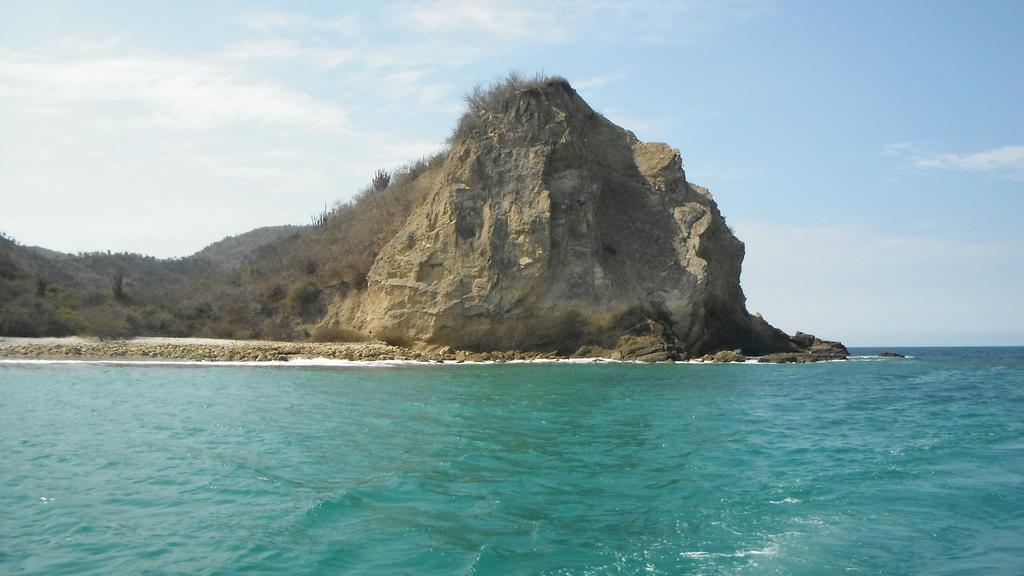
[547, 227]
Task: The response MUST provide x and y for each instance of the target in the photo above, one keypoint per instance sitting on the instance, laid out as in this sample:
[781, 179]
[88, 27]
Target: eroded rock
[549, 228]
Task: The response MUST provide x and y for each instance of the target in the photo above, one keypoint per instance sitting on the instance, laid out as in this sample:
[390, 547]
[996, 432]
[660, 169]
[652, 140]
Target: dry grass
[482, 100]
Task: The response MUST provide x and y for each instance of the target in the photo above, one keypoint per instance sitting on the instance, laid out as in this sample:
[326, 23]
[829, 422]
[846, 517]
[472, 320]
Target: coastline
[246, 351]
[165, 350]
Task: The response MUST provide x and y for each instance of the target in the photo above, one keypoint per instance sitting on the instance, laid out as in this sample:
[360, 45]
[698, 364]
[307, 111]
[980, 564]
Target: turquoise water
[866, 467]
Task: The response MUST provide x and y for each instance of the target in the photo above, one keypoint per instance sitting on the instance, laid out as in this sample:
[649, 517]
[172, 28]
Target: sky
[869, 154]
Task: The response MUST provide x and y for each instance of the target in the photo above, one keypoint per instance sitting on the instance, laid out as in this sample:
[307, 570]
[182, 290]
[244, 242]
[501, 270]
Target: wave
[308, 362]
[770, 550]
[877, 358]
[336, 363]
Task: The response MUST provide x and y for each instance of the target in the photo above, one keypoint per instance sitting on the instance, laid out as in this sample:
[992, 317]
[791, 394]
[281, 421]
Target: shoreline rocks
[724, 357]
[262, 351]
[254, 351]
[808, 348]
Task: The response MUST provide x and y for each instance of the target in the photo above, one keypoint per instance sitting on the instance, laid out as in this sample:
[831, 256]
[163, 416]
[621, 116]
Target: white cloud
[1006, 160]
[263, 49]
[496, 19]
[411, 38]
[88, 45]
[269, 168]
[406, 85]
[596, 81]
[1002, 159]
[898, 148]
[662, 21]
[226, 87]
[149, 89]
[282, 49]
[277, 21]
[397, 47]
[539, 22]
[265, 20]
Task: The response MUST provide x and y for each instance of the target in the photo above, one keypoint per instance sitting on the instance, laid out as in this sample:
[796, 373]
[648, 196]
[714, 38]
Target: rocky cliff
[547, 227]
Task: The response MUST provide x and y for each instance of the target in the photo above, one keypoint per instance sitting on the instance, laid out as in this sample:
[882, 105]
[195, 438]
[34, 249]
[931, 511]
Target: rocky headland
[544, 230]
[549, 228]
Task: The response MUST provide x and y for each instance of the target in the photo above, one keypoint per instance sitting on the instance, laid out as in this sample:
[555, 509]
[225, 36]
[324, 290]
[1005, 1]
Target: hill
[542, 226]
[235, 251]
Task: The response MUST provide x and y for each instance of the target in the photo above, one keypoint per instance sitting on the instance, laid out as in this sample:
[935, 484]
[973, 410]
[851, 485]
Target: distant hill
[44, 292]
[235, 251]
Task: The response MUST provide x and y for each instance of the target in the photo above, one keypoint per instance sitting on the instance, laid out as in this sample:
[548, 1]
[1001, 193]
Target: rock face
[548, 227]
[810, 348]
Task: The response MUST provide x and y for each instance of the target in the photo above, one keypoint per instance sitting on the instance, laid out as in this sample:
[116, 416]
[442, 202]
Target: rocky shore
[236, 351]
[200, 350]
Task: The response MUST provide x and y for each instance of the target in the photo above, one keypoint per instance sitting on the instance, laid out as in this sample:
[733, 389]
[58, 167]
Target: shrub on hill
[482, 100]
[301, 296]
[29, 316]
[105, 322]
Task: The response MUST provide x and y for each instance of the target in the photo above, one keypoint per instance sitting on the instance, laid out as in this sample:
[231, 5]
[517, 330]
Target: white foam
[755, 360]
[698, 554]
[876, 358]
[303, 362]
[332, 362]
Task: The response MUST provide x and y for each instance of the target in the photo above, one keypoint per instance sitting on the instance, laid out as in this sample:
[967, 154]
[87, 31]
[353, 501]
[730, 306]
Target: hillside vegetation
[270, 283]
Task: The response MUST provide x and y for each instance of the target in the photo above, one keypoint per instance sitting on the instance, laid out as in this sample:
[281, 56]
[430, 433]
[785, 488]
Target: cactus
[320, 218]
[117, 284]
[381, 180]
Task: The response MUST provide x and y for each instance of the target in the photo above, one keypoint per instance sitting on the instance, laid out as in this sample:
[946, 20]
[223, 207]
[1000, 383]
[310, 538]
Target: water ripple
[904, 466]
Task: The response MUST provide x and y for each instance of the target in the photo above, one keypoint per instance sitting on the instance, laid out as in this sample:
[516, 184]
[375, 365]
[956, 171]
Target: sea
[868, 466]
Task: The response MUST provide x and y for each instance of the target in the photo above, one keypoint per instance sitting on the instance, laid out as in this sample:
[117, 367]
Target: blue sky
[870, 154]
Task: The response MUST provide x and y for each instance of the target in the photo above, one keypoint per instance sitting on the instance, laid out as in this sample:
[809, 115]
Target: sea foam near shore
[309, 362]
